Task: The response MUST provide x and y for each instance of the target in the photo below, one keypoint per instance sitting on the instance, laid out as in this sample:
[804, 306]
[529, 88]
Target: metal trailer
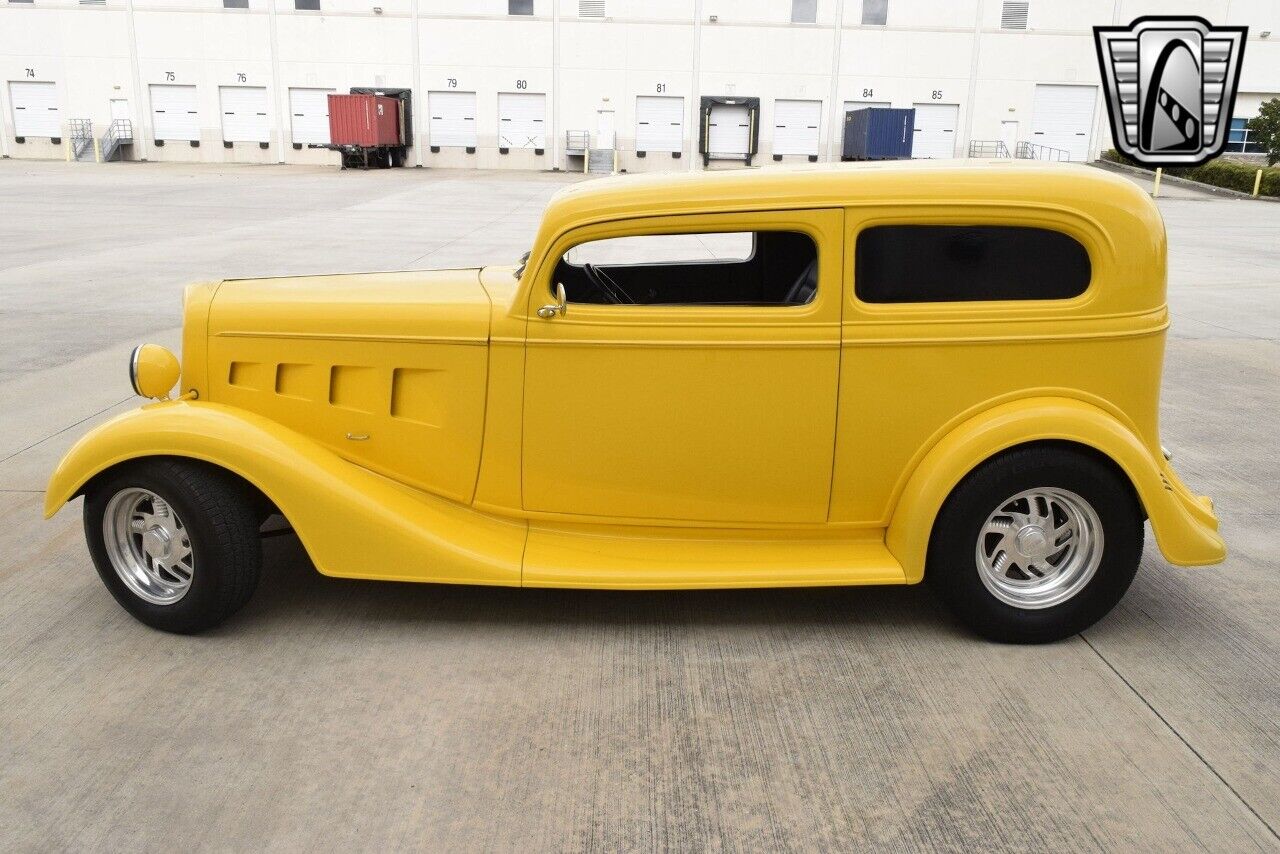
[370, 128]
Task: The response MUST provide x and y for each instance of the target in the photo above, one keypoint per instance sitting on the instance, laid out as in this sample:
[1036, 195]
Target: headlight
[153, 371]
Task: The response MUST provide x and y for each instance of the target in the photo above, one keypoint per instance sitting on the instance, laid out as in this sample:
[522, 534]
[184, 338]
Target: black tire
[221, 519]
[952, 568]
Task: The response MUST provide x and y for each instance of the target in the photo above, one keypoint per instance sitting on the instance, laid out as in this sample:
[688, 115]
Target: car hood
[435, 305]
[386, 370]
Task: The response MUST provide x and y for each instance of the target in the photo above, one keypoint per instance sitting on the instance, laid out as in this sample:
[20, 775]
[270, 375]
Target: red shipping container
[367, 121]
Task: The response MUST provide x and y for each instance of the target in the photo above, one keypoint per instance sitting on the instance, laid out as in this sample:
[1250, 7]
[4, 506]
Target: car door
[685, 412]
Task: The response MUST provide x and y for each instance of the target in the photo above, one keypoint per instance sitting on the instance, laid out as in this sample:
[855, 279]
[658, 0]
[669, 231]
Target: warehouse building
[634, 85]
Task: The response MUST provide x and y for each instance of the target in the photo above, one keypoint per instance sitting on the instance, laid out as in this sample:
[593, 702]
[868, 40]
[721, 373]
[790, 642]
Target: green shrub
[1264, 129]
[1113, 156]
[1218, 173]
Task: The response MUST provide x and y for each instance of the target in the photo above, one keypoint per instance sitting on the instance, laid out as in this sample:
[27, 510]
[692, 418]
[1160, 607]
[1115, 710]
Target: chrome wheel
[1039, 548]
[148, 546]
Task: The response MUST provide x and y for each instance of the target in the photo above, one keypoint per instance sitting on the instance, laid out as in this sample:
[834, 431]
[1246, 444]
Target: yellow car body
[434, 426]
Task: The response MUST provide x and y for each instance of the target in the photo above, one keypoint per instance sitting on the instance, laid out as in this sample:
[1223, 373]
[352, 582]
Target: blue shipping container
[878, 133]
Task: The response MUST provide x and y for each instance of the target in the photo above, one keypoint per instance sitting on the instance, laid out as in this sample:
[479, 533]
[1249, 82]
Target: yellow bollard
[97, 151]
[67, 147]
[1257, 183]
[1159, 173]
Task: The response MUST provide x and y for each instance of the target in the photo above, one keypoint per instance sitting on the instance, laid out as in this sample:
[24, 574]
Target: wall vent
[1013, 15]
[590, 8]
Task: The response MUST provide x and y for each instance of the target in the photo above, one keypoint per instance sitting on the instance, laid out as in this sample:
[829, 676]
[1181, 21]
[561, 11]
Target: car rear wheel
[1036, 545]
[175, 542]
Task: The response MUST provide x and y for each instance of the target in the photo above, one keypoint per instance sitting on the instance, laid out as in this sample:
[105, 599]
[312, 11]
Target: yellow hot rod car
[874, 374]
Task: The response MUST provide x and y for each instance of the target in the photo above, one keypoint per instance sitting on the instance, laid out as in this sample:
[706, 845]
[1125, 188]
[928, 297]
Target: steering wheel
[805, 285]
[610, 288]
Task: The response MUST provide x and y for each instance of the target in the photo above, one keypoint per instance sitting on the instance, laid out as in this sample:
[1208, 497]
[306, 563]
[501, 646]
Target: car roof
[1117, 220]
[783, 187]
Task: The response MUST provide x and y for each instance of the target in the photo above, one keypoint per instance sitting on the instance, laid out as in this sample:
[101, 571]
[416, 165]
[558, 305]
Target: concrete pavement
[338, 715]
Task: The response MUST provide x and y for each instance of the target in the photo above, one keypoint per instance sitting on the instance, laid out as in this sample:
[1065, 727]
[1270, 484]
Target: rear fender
[352, 522]
[1184, 525]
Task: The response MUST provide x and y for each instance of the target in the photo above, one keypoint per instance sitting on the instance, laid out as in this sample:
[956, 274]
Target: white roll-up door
[453, 118]
[729, 131]
[521, 120]
[795, 126]
[659, 123]
[244, 114]
[862, 105]
[309, 116]
[35, 109]
[935, 130]
[1062, 118]
[174, 112]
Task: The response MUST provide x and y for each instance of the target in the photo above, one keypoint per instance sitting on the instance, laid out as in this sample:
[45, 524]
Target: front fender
[352, 522]
[1184, 525]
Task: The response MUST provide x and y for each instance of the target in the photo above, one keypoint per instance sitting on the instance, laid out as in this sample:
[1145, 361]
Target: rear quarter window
[968, 263]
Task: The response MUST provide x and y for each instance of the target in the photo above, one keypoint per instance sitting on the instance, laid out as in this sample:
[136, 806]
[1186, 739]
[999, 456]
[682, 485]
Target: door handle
[549, 311]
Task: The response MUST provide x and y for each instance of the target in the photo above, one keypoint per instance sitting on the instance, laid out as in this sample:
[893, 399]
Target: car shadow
[292, 591]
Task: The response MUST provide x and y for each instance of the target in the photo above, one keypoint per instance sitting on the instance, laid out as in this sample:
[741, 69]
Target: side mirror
[549, 311]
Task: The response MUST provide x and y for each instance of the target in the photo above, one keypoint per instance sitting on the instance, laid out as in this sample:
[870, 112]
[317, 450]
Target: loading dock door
[862, 105]
[729, 132]
[244, 114]
[795, 127]
[659, 123]
[521, 120]
[453, 119]
[935, 130]
[1062, 117]
[173, 112]
[35, 109]
[309, 116]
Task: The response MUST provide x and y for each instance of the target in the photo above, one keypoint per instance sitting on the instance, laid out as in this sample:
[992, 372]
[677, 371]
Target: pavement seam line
[1189, 746]
[64, 429]
[497, 219]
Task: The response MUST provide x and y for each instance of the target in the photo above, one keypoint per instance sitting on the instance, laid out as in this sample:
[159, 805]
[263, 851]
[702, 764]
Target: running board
[682, 558]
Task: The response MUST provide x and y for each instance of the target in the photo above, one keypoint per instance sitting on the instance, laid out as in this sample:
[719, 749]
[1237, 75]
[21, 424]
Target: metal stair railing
[120, 133]
[577, 142]
[1032, 151]
[988, 148]
[81, 138]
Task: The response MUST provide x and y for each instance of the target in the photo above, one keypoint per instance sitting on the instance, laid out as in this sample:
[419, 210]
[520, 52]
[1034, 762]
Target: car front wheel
[175, 542]
[1036, 545]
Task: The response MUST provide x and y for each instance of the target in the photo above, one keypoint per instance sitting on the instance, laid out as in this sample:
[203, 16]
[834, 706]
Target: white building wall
[928, 51]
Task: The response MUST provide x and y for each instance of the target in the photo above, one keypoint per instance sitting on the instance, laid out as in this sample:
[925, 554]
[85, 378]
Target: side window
[966, 263]
[743, 268]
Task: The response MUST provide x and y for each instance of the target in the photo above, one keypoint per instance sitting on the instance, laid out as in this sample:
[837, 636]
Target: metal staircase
[1031, 151]
[988, 148]
[595, 161]
[82, 140]
[602, 161]
[118, 135]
